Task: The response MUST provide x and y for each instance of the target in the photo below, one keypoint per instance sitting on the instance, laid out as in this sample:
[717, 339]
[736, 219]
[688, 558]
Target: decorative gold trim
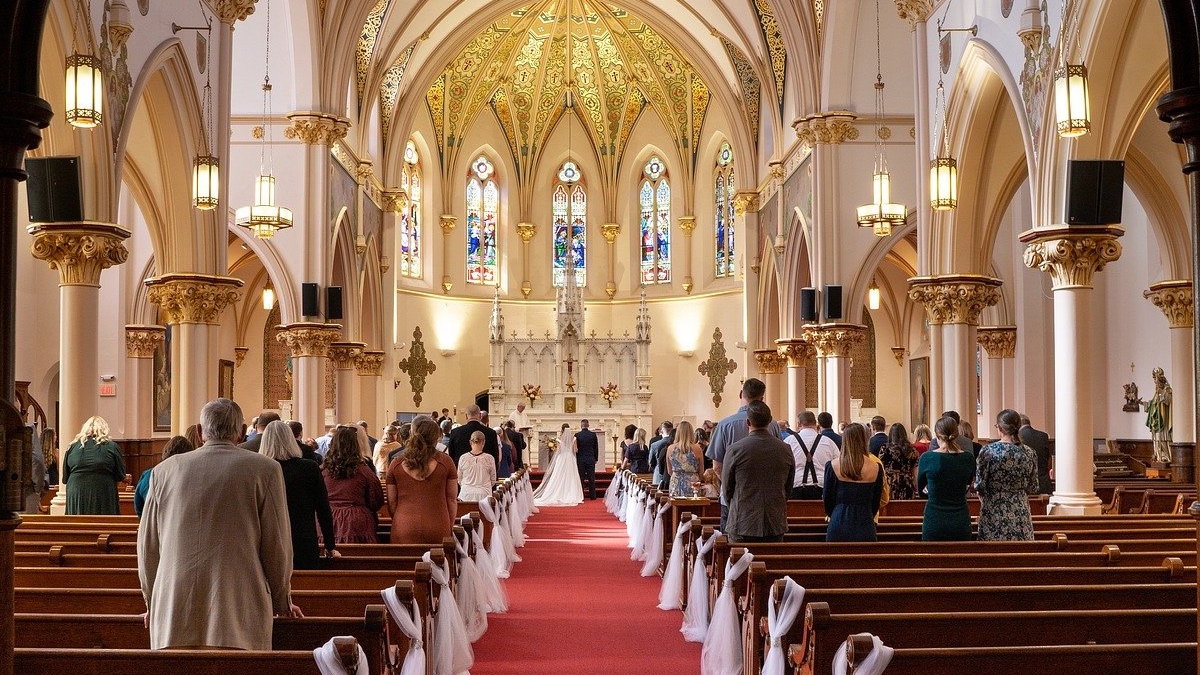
[239, 356]
[369, 363]
[914, 11]
[1000, 342]
[193, 298]
[526, 231]
[955, 298]
[80, 251]
[898, 353]
[835, 339]
[797, 352]
[743, 201]
[1175, 299]
[770, 361]
[344, 354]
[687, 225]
[717, 367]
[826, 128]
[309, 339]
[230, 12]
[610, 231]
[316, 128]
[142, 341]
[447, 223]
[417, 366]
[1072, 255]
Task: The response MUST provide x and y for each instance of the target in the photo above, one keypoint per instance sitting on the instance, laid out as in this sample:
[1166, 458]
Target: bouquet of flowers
[610, 393]
[533, 392]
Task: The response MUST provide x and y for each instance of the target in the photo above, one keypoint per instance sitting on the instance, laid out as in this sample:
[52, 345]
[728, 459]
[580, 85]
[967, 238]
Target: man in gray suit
[1039, 441]
[757, 477]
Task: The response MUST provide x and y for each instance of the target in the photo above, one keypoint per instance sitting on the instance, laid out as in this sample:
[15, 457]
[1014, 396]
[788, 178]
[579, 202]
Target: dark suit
[833, 436]
[517, 439]
[756, 479]
[587, 452]
[460, 441]
[1040, 442]
[878, 440]
[308, 452]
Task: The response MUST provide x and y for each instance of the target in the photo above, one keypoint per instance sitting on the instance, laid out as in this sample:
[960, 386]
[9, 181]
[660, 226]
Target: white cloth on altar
[561, 486]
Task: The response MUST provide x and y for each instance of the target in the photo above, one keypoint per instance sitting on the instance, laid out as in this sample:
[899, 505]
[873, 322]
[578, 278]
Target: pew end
[858, 648]
[347, 651]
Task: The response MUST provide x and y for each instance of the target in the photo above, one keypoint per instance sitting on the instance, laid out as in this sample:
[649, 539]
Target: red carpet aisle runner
[578, 607]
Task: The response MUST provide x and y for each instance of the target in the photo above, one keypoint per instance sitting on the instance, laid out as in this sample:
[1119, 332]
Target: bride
[560, 486]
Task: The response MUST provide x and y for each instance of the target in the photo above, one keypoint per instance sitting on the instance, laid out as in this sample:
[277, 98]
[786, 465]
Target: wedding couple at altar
[574, 462]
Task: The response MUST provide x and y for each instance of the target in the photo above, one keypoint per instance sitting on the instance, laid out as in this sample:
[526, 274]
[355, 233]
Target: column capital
[239, 356]
[610, 231]
[833, 127]
[1174, 298]
[369, 363]
[770, 361]
[743, 201]
[395, 200]
[1071, 254]
[316, 128]
[344, 354]
[447, 223]
[796, 352]
[80, 251]
[1000, 342]
[687, 225]
[309, 339]
[526, 231]
[835, 339]
[231, 11]
[364, 171]
[899, 353]
[955, 298]
[142, 341]
[914, 11]
[193, 298]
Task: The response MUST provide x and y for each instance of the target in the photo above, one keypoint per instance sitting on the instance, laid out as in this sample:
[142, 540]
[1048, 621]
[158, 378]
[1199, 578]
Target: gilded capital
[526, 231]
[239, 356]
[1174, 298]
[958, 298]
[1000, 342]
[79, 251]
[231, 11]
[369, 363]
[364, 171]
[770, 361]
[1071, 255]
[610, 231]
[826, 128]
[447, 223]
[309, 339]
[142, 341]
[687, 225]
[835, 339]
[344, 354]
[316, 128]
[914, 11]
[899, 353]
[743, 201]
[193, 298]
[796, 352]
[395, 200]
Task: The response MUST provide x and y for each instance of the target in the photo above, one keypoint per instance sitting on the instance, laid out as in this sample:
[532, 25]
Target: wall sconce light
[448, 353]
[873, 295]
[687, 353]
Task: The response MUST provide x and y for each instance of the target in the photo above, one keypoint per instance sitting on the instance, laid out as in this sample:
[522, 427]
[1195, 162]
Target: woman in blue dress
[1007, 476]
[853, 488]
[945, 472]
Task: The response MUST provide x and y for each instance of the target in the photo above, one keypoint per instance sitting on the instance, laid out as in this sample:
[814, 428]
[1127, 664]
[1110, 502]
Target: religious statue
[1133, 403]
[1158, 417]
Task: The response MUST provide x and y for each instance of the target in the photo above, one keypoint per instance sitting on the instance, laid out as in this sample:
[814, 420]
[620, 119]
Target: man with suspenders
[812, 452]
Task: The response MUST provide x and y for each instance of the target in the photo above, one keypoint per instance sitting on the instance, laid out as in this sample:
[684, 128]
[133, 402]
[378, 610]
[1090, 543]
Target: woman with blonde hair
[684, 461]
[422, 488]
[92, 468]
[384, 447]
[853, 489]
[307, 498]
[477, 471]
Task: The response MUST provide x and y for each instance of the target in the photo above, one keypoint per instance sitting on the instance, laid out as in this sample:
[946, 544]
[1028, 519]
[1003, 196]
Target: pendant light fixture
[881, 215]
[206, 180]
[943, 169]
[84, 78]
[263, 217]
[873, 295]
[1072, 104]
[268, 298]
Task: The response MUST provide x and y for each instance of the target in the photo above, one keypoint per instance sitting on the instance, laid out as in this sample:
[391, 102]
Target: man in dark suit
[306, 451]
[1039, 441]
[264, 418]
[878, 436]
[460, 438]
[587, 451]
[757, 477]
[517, 440]
[825, 421]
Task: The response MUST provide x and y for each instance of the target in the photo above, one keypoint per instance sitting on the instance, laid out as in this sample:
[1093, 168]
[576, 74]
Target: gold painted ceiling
[521, 66]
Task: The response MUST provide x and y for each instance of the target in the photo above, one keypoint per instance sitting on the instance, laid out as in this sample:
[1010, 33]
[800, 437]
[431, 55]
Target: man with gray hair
[214, 543]
[460, 437]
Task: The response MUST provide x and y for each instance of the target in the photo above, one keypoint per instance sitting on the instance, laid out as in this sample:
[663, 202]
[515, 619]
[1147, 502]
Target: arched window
[655, 199]
[569, 202]
[483, 204]
[410, 218]
[724, 189]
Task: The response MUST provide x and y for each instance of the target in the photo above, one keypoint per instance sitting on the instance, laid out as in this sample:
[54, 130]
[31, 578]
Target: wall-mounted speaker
[53, 189]
[333, 303]
[1094, 191]
[833, 302]
[808, 305]
[310, 299]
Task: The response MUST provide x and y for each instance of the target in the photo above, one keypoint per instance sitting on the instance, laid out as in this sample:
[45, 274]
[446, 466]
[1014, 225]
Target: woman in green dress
[92, 467]
[946, 472]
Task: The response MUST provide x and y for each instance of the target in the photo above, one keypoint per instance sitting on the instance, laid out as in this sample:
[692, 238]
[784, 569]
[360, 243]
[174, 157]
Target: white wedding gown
[560, 486]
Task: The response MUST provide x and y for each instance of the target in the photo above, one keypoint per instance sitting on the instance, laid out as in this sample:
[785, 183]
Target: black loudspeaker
[53, 189]
[833, 302]
[808, 304]
[1094, 190]
[310, 299]
[333, 303]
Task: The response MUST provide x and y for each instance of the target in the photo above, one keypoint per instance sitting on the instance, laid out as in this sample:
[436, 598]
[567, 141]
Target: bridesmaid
[946, 472]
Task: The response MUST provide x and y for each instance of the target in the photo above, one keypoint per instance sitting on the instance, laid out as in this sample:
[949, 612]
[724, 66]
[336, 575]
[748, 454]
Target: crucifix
[570, 373]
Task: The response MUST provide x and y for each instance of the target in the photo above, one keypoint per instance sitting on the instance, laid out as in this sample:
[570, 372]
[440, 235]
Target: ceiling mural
[775, 45]
[366, 44]
[750, 85]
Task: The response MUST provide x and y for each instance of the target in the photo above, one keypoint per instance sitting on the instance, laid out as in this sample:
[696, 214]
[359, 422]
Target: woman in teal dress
[1007, 476]
[853, 489]
[946, 472]
[92, 468]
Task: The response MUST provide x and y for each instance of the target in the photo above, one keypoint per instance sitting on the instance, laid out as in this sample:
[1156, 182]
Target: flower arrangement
[533, 392]
[610, 393]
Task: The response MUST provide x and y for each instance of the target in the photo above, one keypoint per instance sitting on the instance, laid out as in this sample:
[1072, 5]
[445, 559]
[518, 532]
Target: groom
[587, 451]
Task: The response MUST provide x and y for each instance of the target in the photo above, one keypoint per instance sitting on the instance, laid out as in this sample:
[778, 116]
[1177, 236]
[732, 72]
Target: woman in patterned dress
[900, 462]
[1007, 475]
[684, 461]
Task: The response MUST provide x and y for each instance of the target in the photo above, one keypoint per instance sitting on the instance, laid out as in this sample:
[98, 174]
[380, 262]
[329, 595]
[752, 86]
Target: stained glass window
[410, 217]
[569, 202]
[655, 199]
[483, 205]
[724, 188]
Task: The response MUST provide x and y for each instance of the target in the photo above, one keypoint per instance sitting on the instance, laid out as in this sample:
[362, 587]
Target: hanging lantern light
[1072, 105]
[873, 296]
[943, 169]
[268, 298]
[85, 91]
[881, 215]
[206, 182]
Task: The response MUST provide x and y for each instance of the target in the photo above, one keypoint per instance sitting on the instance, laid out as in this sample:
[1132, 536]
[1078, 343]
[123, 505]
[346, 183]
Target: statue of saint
[1158, 416]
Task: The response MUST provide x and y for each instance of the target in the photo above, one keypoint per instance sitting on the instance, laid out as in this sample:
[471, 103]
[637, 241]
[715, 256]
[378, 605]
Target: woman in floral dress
[1006, 477]
[899, 459]
[684, 461]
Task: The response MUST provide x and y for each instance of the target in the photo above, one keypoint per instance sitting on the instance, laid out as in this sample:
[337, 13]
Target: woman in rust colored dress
[354, 492]
[422, 488]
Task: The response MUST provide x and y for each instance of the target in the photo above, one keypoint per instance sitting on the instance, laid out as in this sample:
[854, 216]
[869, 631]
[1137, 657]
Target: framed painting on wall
[162, 384]
[569, 405]
[918, 390]
[225, 379]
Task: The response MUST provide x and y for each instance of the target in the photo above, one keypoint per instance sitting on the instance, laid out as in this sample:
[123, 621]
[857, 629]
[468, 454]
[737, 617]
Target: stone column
[824, 132]
[798, 354]
[447, 223]
[80, 252]
[192, 305]
[770, 366]
[140, 344]
[1000, 343]
[343, 355]
[916, 13]
[745, 203]
[369, 366]
[228, 12]
[1175, 299]
[319, 132]
[309, 344]
[833, 342]
[687, 225]
[954, 303]
[526, 231]
[610, 232]
[1072, 255]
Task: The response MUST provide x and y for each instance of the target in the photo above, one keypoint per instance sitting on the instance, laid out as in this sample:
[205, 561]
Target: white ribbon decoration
[654, 544]
[472, 595]
[722, 653]
[646, 529]
[623, 498]
[633, 515]
[409, 621]
[506, 541]
[513, 518]
[329, 663]
[496, 545]
[876, 661]
[497, 599]
[779, 622]
[670, 595]
[452, 653]
[695, 617]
